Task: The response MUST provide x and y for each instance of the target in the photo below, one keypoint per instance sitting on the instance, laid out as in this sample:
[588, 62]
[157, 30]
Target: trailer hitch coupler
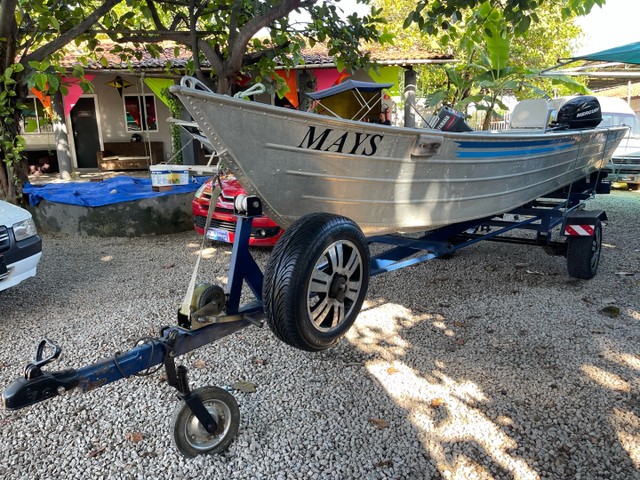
[28, 391]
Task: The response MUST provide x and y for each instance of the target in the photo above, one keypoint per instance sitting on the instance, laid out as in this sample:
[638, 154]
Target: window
[34, 118]
[140, 112]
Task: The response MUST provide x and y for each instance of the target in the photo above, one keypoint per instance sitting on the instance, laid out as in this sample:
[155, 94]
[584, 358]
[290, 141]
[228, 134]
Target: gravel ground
[491, 364]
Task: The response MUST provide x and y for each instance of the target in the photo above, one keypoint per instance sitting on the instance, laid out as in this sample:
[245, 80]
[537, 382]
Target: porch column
[410, 79]
[61, 136]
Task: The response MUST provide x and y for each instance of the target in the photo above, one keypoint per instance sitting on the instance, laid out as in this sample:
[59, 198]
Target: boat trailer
[309, 294]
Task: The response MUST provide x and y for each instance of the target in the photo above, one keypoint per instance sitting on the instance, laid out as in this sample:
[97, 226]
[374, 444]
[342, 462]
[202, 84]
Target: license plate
[218, 235]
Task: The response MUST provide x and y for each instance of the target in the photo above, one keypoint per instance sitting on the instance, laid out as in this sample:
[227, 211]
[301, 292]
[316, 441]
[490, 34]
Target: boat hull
[385, 178]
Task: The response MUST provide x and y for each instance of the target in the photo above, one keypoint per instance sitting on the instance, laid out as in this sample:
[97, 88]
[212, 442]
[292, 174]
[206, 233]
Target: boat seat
[530, 114]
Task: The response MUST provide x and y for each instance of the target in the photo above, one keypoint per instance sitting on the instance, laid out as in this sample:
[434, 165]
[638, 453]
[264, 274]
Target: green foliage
[495, 55]
[175, 107]
[11, 146]
[434, 16]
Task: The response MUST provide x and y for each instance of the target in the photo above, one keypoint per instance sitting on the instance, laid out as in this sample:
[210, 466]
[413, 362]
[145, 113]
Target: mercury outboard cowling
[579, 112]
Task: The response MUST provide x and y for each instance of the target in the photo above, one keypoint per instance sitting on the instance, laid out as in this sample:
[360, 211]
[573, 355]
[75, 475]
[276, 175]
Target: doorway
[86, 137]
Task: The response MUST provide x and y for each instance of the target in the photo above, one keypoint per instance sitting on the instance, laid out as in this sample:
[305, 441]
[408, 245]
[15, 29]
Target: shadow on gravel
[492, 404]
[509, 372]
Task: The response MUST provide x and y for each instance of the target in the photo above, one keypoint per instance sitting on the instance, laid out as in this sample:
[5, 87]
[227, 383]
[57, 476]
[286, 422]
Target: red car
[264, 232]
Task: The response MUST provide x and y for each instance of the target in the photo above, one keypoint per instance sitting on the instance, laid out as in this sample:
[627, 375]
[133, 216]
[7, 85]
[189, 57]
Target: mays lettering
[348, 142]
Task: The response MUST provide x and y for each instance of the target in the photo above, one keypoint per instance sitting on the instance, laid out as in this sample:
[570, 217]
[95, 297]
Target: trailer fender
[582, 223]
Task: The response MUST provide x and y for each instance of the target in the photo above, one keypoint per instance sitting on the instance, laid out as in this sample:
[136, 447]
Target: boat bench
[129, 155]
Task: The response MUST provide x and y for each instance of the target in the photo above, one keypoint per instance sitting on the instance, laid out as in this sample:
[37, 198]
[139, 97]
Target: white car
[20, 245]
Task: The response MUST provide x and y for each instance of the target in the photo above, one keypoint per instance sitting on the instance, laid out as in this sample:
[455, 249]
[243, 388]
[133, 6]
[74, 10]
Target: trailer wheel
[316, 280]
[583, 253]
[191, 438]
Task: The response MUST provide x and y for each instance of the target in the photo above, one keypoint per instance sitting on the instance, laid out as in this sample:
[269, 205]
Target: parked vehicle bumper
[20, 271]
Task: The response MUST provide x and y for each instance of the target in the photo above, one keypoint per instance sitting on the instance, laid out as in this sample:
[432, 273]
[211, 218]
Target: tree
[493, 57]
[220, 33]
[32, 36]
[520, 14]
[223, 34]
[493, 70]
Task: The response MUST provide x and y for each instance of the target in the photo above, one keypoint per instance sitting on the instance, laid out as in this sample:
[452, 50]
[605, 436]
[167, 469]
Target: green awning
[625, 54]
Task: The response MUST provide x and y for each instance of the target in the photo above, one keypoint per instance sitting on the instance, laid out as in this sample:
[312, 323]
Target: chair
[530, 114]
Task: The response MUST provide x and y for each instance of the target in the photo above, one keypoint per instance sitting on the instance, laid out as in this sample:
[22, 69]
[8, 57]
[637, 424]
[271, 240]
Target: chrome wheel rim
[335, 285]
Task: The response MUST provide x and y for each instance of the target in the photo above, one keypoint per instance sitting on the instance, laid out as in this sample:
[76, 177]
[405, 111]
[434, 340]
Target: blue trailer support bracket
[242, 267]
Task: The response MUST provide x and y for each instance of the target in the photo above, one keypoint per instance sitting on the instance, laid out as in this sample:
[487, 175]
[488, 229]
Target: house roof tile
[315, 57]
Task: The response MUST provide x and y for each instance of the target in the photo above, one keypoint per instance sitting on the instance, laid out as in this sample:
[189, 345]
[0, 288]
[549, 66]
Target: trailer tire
[583, 253]
[316, 280]
[190, 437]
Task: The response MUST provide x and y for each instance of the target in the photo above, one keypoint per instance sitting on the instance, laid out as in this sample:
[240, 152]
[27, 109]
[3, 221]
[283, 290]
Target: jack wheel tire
[316, 280]
[583, 253]
[191, 438]
[633, 186]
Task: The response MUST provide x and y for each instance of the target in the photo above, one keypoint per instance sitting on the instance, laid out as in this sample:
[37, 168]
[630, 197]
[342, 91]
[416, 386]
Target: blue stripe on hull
[512, 148]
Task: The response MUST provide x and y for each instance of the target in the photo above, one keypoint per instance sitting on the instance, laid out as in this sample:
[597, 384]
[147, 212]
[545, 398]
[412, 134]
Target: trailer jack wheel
[191, 438]
[583, 253]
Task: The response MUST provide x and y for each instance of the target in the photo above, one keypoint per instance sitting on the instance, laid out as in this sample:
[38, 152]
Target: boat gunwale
[283, 113]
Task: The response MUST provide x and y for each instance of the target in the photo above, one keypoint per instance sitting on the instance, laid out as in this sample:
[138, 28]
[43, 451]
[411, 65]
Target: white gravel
[492, 364]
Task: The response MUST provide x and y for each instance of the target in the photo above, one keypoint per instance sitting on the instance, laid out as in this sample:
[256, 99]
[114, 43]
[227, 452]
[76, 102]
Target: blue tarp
[106, 192]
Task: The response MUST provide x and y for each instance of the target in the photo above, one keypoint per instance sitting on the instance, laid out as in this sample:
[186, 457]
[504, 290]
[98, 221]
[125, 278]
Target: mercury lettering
[348, 142]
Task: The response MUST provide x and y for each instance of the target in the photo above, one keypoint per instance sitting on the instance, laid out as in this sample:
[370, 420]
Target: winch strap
[186, 302]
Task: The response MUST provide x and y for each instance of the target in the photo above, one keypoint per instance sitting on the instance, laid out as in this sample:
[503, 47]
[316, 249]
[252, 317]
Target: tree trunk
[8, 30]
[225, 84]
[487, 119]
[13, 172]
[4, 185]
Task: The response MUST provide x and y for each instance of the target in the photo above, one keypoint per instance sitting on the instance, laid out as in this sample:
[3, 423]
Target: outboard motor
[449, 120]
[579, 112]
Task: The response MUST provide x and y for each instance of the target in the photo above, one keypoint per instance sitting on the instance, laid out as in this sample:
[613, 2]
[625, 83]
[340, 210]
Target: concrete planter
[149, 216]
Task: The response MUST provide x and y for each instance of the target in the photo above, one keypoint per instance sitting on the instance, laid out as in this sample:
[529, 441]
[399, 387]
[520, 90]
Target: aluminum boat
[386, 178]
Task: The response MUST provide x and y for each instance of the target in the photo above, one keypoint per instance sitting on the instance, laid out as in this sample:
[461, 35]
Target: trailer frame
[206, 420]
